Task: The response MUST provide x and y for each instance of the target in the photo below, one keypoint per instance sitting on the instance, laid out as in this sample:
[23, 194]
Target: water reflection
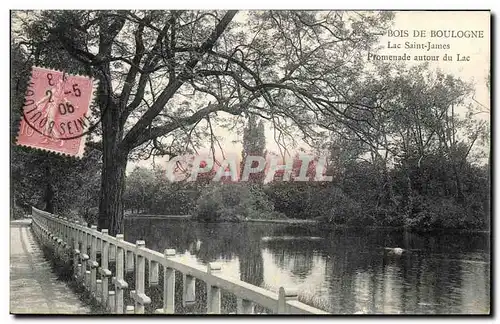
[341, 271]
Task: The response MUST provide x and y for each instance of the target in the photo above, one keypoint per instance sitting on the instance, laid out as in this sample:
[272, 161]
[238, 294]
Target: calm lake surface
[342, 271]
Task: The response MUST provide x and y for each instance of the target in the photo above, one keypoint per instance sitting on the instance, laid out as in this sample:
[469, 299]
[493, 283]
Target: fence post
[69, 230]
[244, 306]
[129, 261]
[188, 290]
[84, 257]
[53, 239]
[120, 283]
[98, 290]
[112, 252]
[111, 301]
[76, 252]
[82, 268]
[285, 295]
[98, 249]
[93, 262]
[99, 246]
[88, 280]
[213, 292]
[65, 241]
[138, 295]
[154, 270]
[168, 286]
[104, 271]
[64, 229]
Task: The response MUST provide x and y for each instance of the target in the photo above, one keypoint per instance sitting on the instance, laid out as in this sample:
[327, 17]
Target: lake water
[339, 270]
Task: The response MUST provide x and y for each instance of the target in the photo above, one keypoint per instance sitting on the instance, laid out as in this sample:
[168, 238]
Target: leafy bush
[337, 207]
[234, 202]
[429, 213]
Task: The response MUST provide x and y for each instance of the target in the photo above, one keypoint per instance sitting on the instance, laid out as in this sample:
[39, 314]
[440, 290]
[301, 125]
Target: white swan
[395, 251]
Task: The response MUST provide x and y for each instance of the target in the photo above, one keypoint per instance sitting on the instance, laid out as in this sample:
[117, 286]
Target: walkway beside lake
[34, 287]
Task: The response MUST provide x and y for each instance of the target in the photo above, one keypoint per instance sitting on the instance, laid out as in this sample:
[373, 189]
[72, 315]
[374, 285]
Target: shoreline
[150, 216]
[281, 221]
[293, 221]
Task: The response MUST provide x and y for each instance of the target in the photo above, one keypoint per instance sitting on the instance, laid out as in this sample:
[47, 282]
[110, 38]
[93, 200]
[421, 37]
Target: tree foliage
[420, 163]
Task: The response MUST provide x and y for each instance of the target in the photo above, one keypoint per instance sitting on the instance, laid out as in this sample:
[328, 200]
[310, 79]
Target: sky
[476, 70]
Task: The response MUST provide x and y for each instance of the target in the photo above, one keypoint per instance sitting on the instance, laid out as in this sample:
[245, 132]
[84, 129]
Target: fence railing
[84, 244]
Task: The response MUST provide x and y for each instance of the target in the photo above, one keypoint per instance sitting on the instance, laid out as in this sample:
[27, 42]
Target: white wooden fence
[84, 243]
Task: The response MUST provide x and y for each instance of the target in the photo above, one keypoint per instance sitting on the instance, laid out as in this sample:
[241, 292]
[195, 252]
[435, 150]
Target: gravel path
[34, 287]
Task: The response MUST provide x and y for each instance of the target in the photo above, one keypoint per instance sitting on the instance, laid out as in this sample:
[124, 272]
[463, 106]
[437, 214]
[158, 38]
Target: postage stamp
[56, 113]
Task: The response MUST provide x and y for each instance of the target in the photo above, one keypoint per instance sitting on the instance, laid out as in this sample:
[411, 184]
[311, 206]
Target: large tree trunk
[458, 181]
[112, 188]
[113, 173]
[409, 207]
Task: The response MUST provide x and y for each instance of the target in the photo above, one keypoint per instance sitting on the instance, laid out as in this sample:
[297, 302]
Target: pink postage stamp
[56, 112]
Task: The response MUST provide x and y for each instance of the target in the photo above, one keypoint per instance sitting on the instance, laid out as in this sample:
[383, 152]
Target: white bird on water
[395, 251]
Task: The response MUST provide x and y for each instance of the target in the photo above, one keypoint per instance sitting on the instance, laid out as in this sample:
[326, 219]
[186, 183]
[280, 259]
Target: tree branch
[132, 73]
[131, 139]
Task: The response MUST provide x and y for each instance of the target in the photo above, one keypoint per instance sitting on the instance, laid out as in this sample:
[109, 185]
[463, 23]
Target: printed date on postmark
[56, 112]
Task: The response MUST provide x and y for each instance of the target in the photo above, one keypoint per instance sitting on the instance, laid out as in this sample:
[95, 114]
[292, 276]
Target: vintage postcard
[236, 162]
